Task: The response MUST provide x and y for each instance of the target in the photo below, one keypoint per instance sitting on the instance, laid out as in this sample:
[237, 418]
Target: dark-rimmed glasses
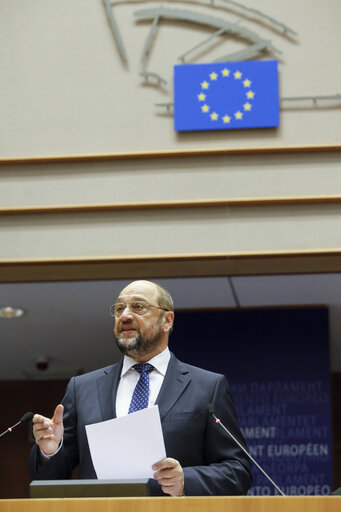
[137, 307]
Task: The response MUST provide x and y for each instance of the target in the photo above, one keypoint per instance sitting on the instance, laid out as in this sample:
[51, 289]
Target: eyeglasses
[136, 307]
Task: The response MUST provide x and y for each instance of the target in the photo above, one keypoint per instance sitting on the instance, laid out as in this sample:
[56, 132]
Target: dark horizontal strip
[322, 148]
[171, 265]
[169, 205]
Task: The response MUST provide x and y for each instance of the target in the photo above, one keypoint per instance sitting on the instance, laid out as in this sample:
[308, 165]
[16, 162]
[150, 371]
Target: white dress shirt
[130, 377]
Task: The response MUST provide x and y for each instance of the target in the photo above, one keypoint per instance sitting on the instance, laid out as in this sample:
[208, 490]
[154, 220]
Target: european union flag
[227, 95]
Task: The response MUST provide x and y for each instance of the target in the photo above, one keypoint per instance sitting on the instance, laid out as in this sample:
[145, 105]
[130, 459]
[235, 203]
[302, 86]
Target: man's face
[140, 336]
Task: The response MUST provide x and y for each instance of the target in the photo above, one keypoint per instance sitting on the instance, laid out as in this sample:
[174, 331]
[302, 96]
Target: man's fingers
[58, 415]
[42, 425]
[38, 427]
[49, 436]
[44, 437]
[40, 432]
[165, 463]
[166, 481]
[38, 418]
[164, 474]
[170, 476]
[45, 429]
[49, 432]
[166, 468]
[43, 434]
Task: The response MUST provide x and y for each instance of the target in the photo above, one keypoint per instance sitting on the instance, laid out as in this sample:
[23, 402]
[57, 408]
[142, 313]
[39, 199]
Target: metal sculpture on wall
[224, 27]
[257, 46]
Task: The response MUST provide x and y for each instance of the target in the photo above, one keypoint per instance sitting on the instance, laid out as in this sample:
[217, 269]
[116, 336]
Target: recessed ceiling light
[10, 312]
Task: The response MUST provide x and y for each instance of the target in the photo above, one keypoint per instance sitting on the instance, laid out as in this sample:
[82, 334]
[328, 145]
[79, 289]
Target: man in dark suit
[201, 458]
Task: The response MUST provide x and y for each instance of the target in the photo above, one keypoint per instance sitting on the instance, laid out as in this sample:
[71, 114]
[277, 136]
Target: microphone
[217, 420]
[27, 417]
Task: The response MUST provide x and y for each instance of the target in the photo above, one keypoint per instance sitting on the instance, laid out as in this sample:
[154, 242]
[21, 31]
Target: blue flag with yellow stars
[229, 95]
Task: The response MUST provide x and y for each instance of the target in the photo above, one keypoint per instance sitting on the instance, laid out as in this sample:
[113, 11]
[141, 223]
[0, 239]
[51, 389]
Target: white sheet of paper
[127, 447]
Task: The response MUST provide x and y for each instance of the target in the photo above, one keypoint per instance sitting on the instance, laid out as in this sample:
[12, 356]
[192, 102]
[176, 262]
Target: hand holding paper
[127, 447]
[170, 476]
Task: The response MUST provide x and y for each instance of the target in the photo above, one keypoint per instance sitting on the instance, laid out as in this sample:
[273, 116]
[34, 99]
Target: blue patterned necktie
[140, 397]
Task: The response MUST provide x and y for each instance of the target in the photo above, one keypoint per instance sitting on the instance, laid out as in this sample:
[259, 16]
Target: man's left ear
[168, 320]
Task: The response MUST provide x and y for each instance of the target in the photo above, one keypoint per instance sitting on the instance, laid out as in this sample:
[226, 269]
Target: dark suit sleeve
[61, 465]
[227, 470]
[212, 462]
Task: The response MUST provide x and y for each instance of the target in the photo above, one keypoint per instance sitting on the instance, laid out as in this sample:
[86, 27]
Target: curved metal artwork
[256, 48]
[264, 16]
[222, 25]
[154, 76]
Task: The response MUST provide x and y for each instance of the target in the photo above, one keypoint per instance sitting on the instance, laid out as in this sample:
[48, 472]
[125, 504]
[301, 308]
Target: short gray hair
[164, 298]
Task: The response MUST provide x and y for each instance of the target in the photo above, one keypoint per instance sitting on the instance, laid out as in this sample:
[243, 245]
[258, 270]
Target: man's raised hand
[48, 432]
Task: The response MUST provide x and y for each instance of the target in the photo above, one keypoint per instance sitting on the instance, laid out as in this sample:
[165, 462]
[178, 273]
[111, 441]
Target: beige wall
[65, 91]
[164, 231]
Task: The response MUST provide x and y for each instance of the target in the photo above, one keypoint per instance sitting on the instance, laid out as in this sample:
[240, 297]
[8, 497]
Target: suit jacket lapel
[175, 382]
[107, 389]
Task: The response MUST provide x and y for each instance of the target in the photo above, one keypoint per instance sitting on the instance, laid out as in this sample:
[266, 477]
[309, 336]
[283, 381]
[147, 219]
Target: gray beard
[133, 344]
[138, 346]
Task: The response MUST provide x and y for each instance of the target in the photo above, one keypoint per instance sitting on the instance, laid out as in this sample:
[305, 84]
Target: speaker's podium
[130, 496]
[134, 500]
[185, 504]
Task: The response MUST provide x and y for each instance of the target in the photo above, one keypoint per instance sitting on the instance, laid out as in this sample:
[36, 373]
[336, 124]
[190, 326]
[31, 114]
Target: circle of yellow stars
[226, 118]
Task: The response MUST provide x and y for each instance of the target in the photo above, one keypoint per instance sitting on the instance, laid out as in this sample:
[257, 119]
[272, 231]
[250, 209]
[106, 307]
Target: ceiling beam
[173, 265]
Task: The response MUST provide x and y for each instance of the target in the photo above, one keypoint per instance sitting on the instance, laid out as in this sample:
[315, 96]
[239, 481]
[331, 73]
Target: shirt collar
[160, 362]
